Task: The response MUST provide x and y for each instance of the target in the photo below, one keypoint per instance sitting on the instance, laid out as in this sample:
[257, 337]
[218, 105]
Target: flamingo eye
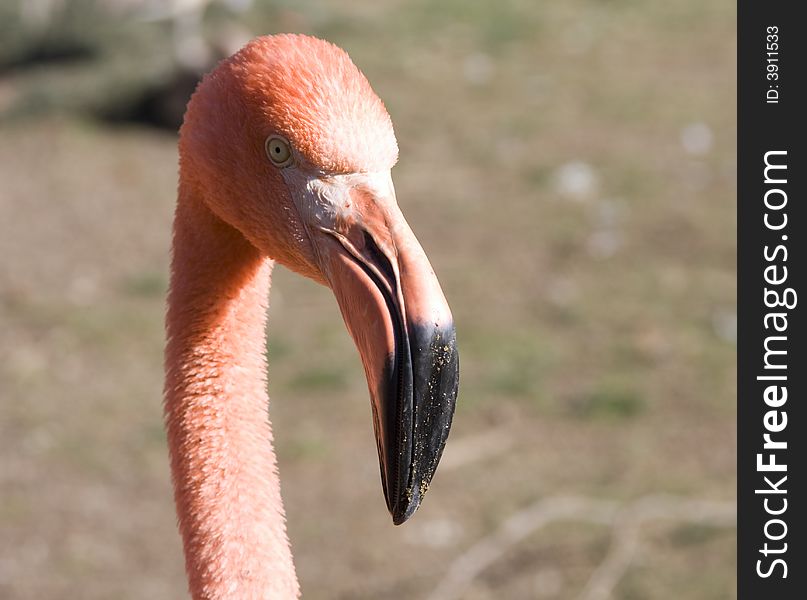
[278, 150]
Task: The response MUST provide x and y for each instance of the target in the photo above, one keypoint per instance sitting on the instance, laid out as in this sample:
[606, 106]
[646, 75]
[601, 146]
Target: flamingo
[285, 156]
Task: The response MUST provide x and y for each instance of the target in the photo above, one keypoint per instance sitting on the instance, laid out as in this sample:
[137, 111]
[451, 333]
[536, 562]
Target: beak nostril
[380, 259]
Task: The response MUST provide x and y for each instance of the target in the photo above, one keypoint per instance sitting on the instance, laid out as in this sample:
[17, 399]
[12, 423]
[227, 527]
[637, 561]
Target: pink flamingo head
[287, 143]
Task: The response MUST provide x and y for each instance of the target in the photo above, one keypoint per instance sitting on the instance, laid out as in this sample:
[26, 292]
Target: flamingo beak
[399, 319]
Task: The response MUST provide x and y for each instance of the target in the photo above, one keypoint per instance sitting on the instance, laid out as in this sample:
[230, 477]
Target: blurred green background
[569, 167]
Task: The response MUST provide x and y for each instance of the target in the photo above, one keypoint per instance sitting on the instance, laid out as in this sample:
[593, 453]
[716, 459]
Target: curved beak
[396, 313]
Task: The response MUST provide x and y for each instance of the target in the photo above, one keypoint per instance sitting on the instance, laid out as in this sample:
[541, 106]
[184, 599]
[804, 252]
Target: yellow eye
[278, 150]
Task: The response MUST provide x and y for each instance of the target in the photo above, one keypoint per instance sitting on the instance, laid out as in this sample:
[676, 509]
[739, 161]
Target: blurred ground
[570, 170]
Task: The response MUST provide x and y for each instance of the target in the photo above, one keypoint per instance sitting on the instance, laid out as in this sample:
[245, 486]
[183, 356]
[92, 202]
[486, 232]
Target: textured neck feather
[224, 470]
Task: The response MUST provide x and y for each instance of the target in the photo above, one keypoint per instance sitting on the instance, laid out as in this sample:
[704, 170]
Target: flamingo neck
[226, 485]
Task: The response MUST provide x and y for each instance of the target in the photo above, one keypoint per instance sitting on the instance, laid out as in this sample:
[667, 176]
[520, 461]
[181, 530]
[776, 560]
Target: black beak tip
[409, 504]
[434, 384]
[401, 517]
